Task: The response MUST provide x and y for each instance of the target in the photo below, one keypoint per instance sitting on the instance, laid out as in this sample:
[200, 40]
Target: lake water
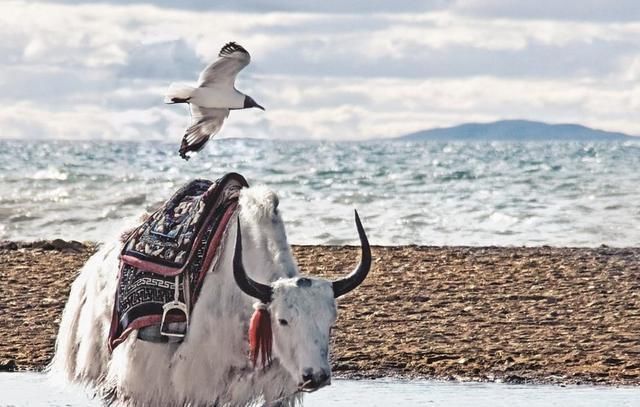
[32, 389]
[432, 193]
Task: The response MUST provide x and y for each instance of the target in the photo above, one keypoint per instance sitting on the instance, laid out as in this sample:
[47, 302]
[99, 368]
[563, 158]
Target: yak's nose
[314, 379]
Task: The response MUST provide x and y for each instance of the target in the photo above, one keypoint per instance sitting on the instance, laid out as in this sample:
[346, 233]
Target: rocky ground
[543, 314]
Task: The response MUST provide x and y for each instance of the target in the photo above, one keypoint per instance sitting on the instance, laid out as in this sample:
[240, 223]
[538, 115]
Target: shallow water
[32, 389]
[432, 193]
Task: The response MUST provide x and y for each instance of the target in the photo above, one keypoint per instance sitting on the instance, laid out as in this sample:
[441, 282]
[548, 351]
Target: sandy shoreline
[543, 314]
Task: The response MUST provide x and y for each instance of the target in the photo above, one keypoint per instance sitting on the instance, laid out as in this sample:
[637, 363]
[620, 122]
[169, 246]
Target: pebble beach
[512, 314]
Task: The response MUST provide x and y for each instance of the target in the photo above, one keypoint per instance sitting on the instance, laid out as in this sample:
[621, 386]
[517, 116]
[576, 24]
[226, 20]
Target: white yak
[211, 366]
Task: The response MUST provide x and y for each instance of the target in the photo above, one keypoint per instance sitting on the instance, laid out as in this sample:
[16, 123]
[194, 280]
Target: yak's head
[300, 312]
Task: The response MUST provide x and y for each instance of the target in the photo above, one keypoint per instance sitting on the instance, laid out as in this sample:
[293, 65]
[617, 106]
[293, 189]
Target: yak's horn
[357, 276]
[250, 287]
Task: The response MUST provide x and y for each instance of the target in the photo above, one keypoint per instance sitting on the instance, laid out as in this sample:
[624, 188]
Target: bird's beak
[249, 102]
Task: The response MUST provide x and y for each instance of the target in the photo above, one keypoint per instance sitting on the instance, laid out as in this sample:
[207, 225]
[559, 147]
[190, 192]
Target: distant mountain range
[513, 130]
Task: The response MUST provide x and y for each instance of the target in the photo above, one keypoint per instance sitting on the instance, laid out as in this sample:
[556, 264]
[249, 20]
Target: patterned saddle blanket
[182, 238]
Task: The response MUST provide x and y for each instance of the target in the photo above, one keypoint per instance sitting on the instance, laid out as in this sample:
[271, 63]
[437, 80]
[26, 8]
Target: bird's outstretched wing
[206, 123]
[232, 59]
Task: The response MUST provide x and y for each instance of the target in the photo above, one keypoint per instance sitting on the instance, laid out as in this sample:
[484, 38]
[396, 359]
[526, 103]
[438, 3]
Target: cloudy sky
[324, 70]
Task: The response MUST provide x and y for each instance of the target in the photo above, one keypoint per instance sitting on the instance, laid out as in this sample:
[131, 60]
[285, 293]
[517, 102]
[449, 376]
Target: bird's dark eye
[283, 322]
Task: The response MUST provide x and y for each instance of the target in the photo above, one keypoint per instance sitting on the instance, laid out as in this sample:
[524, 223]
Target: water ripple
[499, 193]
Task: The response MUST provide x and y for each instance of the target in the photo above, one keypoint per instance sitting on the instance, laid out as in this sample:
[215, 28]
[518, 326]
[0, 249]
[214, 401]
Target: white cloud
[589, 10]
[99, 70]
[261, 6]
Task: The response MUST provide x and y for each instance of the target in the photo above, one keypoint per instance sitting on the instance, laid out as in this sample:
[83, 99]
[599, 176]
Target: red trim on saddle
[215, 242]
[149, 266]
[141, 323]
[260, 336]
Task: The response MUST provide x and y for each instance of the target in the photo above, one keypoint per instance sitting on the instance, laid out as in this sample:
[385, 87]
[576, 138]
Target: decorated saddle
[164, 260]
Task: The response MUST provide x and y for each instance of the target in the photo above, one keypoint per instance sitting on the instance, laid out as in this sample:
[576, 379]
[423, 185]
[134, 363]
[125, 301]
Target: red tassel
[260, 339]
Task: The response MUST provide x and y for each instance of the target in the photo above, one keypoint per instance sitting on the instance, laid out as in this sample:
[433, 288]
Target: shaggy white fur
[211, 367]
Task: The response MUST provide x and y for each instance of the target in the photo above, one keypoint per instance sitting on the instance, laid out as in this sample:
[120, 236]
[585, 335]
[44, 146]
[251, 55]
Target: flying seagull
[213, 97]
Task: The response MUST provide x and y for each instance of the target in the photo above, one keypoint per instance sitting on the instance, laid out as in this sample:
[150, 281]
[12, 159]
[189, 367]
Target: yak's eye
[283, 322]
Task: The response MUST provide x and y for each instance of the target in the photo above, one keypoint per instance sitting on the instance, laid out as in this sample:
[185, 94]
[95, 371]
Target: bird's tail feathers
[178, 93]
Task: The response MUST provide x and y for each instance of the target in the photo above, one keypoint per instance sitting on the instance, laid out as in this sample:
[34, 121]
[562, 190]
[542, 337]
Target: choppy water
[501, 193]
[33, 390]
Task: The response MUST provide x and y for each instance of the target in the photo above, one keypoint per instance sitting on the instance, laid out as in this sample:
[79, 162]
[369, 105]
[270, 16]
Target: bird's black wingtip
[231, 47]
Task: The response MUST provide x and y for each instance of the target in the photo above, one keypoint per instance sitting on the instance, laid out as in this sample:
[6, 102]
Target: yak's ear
[250, 287]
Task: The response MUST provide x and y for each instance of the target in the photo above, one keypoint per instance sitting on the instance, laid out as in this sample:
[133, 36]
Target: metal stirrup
[175, 306]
